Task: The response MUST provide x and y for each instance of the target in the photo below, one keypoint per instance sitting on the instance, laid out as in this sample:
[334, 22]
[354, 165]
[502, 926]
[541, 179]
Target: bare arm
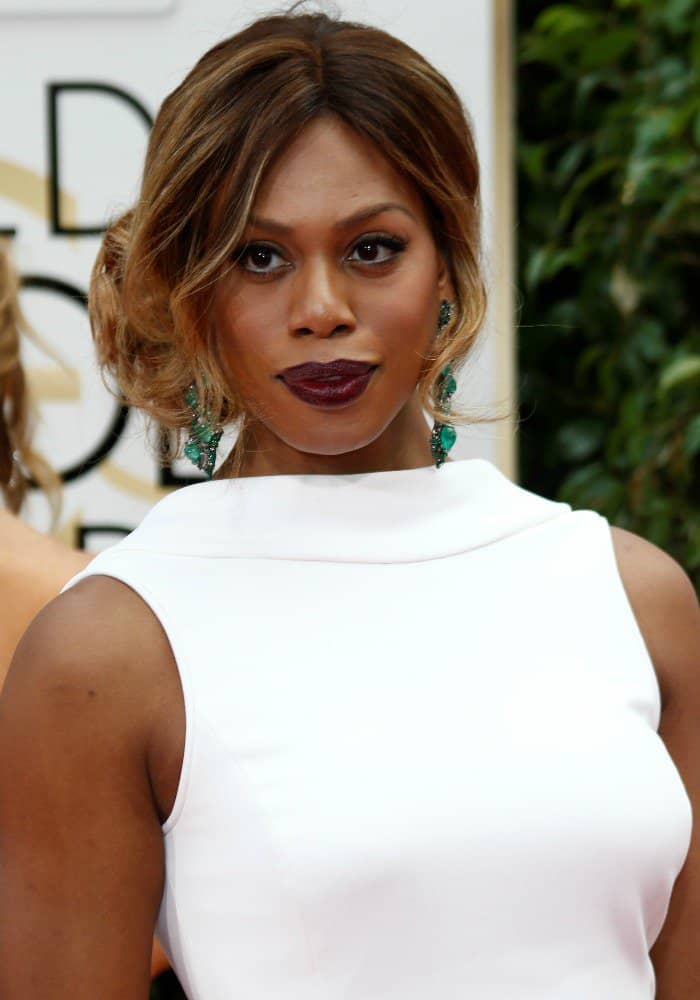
[81, 864]
[667, 610]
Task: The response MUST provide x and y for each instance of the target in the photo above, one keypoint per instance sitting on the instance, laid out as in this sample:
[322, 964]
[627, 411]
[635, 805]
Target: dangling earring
[444, 435]
[204, 438]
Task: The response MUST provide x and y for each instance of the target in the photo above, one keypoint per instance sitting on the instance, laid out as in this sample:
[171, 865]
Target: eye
[373, 249]
[258, 258]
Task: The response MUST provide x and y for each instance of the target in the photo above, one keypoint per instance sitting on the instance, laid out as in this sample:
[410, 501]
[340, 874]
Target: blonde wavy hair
[152, 287]
[20, 465]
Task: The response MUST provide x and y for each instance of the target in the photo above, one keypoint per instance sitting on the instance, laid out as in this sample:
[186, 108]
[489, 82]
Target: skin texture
[93, 707]
[320, 297]
[33, 569]
[666, 606]
[80, 838]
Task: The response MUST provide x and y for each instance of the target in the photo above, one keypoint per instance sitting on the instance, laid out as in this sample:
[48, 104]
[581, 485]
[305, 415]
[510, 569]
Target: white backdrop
[80, 81]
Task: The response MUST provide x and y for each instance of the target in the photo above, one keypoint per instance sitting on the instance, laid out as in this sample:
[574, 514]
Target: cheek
[242, 332]
[406, 321]
[396, 318]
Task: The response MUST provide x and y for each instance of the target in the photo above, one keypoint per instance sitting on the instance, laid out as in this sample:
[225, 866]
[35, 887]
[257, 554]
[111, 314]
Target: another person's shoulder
[33, 568]
[665, 603]
[33, 559]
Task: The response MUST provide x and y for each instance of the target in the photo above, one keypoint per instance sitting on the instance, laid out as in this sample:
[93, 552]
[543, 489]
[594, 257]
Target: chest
[392, 715]
[427, 761]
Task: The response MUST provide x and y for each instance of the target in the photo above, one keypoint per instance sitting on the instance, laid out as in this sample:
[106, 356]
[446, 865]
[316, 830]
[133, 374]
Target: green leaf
[564, 312]
[597, 170]
[608, 48]
[591, 487]
[650, 339]
[637, 447]
[691, 442]
[585, 88]
[580, 439]
[695, 47]
[658, 530]
[633, 408]
[678, 161]
[614, 98]
[589, 359]
[534, 268]
[677, 202]
[656, 127]
[563, 19]
[534, 48]
[639, 170]
[546, 262]
[630, 362]
[570, 161]
[532, 160]
[675, 12]
[678, 372]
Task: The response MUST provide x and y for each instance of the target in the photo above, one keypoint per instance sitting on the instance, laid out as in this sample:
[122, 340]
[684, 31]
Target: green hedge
[609, 262]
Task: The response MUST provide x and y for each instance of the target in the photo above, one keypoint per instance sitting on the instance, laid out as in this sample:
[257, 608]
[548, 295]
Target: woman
[33, 567]
[364, 721]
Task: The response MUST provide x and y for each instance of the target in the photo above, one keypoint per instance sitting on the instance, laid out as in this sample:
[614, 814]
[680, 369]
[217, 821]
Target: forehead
[329, 171]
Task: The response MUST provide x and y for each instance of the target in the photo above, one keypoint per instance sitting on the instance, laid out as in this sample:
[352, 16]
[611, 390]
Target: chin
[330, 443]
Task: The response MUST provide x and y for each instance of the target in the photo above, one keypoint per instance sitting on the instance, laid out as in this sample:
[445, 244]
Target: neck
[404, 444]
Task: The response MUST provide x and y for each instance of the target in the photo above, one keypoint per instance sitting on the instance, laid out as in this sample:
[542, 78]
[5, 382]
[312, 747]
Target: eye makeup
[261, 252]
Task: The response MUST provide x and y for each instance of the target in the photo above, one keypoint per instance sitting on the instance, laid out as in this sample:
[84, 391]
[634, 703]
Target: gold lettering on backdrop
[50, 385]
[30, 189]
[130, 483]
[68, 531]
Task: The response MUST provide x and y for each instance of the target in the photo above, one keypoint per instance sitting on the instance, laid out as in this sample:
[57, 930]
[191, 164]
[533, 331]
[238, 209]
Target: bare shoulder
[98, 636]
[81, 834]
[96, 660]
[666, 607]
[665, 604]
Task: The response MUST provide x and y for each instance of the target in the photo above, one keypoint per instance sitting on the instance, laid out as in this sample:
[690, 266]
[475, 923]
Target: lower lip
[330, 394]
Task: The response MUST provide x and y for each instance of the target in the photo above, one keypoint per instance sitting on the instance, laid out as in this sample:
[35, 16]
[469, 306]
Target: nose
[320, 304]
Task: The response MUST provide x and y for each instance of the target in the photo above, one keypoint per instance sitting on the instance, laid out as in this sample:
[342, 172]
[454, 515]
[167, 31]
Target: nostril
[340, 329]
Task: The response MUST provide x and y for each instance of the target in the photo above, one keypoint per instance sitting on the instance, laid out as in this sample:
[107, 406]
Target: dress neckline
[385, 517]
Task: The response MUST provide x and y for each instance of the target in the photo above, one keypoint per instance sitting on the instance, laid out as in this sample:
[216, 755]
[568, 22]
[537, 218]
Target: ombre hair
[20, 465]
[152, 287]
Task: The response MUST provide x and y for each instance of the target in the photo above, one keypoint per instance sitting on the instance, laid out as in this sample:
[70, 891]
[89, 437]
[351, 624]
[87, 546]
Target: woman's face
[338, 264]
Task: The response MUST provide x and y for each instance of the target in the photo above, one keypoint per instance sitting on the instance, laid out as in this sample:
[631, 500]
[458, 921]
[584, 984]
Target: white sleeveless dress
[421, 757]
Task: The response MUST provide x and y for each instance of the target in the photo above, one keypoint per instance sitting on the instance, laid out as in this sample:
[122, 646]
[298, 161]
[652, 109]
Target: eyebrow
[361, 216]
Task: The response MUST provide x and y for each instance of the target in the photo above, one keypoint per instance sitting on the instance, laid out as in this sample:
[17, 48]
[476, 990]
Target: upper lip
[318, 371]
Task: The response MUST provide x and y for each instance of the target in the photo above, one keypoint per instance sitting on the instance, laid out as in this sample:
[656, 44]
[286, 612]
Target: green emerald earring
[443, 435]
[204, 437]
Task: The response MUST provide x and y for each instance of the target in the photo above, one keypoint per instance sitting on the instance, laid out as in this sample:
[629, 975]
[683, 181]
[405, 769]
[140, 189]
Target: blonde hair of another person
[20, 465]
[33, 567]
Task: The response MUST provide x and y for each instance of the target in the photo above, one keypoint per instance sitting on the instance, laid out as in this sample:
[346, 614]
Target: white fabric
[421, 757]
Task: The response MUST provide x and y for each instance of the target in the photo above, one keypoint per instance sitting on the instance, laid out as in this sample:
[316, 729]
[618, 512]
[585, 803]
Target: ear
[445, 286]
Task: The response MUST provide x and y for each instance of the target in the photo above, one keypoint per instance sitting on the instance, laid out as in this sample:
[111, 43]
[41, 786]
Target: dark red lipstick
[332, 384]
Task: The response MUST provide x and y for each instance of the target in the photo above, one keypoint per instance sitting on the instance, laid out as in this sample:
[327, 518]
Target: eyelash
[394, 243]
